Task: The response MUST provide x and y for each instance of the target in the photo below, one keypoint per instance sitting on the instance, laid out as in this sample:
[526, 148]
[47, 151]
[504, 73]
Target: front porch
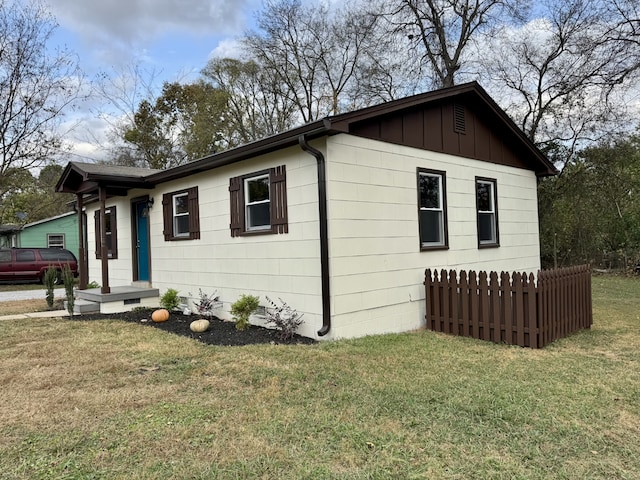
[119, 299]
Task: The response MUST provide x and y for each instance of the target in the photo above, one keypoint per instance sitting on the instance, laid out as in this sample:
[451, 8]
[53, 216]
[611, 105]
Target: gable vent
[459, 121]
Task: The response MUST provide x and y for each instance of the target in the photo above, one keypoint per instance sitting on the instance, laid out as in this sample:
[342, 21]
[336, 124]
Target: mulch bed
[220, 332]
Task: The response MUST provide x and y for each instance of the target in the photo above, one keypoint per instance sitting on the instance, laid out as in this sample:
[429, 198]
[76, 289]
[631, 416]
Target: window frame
[111, 212]
[442, 193]
[495, 242]
[169, 217]
[248, 204]
[278, 216]
[61, 235]
[175, 215]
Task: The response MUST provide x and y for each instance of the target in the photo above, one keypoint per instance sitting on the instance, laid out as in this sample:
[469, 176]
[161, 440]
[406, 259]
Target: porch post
[82, 254]
[104, 249]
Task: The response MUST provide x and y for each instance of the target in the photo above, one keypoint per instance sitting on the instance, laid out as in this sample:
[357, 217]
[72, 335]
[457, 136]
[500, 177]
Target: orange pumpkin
[161, 315]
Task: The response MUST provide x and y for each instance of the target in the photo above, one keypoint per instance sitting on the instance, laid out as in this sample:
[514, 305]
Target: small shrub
[69, 282]
[206, 303]
[284, 318]
[50, 279]
[242, 309]
[170, 299]
[93, 284]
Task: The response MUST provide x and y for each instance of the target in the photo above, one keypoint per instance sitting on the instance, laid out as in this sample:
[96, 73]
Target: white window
[55, 240]
[487, 212]
[181, 215]
[432, 209]
[257, 203]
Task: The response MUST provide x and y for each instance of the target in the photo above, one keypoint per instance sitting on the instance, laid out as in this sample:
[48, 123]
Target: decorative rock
[199, 326]
[161, 315]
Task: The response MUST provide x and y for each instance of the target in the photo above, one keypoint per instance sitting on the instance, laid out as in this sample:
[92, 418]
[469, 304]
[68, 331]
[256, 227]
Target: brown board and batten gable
[462, 121]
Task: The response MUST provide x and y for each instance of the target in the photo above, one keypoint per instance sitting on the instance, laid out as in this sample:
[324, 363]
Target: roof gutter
[324, 237]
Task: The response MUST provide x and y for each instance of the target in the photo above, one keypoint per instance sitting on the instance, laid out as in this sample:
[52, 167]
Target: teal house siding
[61, 228]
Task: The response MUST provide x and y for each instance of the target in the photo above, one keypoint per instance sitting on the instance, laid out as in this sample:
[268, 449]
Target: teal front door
[141, 251]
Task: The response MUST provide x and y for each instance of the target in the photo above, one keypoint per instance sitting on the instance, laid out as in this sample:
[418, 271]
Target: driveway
[28, 295]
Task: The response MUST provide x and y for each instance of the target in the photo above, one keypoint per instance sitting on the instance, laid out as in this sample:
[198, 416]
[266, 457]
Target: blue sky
[173, 39]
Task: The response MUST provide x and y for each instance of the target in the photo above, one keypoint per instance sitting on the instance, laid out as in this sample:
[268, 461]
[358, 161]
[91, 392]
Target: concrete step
[84, 306]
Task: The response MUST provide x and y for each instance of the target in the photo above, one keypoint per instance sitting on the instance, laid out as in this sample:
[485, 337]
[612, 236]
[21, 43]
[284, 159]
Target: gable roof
[469, 94]
[496, 138]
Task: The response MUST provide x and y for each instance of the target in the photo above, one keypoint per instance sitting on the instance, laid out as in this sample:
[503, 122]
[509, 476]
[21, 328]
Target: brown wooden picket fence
[514, 309]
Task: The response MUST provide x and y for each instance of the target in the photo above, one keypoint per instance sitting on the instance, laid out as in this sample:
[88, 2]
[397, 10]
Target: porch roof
[85, 178]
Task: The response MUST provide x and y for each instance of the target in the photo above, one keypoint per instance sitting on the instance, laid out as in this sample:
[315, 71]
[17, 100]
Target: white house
[339, 217]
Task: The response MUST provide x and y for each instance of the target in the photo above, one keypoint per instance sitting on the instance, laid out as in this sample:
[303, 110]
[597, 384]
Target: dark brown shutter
[278, 200]
[96, 216]
[236, 201]
[194, 213]
[167, 215]
[114, 232]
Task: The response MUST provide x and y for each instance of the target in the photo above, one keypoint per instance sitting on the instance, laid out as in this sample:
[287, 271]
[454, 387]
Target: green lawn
[115, 400]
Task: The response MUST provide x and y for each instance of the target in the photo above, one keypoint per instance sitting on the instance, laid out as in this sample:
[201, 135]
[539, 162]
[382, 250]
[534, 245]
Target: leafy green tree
[591, 212]
[184, 123]
[34, 198]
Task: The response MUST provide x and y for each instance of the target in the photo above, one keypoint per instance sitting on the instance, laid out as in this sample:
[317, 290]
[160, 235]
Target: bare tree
[562, 75]
[122, 92]
[37, 85]
[256, 103]
[440, 31]
[317, 51]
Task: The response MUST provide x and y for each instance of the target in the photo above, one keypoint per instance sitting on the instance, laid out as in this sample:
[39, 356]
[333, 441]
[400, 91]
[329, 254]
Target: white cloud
[138, 21]
[228, 48]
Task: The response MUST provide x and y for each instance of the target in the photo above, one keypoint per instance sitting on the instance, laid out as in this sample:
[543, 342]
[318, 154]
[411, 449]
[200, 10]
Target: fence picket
[455, 321]
[474, 312]
[464, 303]
[494, 311]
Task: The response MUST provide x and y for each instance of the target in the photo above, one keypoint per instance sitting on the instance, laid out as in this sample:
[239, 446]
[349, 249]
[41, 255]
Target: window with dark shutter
[111, 231]
[258, 203]
[181, 215]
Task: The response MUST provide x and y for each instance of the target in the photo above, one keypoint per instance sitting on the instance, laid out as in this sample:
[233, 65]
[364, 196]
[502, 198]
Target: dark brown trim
[445, 227]
[494, 182]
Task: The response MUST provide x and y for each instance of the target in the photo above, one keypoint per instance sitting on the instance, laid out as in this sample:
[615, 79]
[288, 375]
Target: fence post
[507, 307]
[428, 298]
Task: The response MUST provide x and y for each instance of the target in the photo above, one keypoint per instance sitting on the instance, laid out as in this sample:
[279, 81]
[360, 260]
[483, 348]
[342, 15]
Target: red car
[29, 264]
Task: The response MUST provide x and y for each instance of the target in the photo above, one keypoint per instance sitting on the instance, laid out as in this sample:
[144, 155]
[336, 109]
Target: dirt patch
[220, 332]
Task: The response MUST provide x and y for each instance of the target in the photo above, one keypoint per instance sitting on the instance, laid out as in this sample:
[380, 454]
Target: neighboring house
[339, 217]
[9, 235]
[60, 231]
